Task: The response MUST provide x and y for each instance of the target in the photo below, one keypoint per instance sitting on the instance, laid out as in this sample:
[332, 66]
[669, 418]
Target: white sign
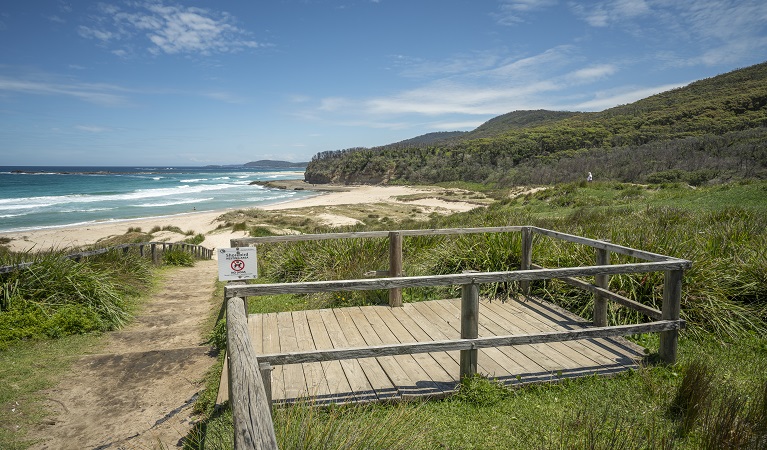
[237, 263]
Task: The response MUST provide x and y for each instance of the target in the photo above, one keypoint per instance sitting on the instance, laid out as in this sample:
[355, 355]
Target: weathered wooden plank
[421, 368]
[334, 373]
[491, 361]
[447, 280]
[293, 374]
[375, 374]
[609, 350]
[464, 344]
[424, 330]
[444, 373]
[316, 383]
[253, 427]
[271, 344]
[574, 350]
[393, 365]
[358, 382]
[540, 354]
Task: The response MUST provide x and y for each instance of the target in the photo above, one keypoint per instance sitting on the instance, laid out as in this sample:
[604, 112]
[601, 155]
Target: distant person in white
[589, 178]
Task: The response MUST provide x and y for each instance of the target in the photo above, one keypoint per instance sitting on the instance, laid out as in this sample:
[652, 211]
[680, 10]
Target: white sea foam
[173, 202]
[47, 201]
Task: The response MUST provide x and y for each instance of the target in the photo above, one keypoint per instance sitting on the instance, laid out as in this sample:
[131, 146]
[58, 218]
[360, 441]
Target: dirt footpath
[138, 392]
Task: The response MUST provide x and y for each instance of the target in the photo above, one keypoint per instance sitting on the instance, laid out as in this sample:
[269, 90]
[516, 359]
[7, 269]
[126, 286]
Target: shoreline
[206, 222]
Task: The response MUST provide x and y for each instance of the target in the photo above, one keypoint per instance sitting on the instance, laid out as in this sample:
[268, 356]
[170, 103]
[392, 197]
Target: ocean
[44, 197]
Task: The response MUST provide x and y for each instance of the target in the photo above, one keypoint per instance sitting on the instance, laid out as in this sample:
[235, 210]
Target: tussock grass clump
[693, 395]
[178, 257]
[331, 259]
[197, 239]
[57, 296]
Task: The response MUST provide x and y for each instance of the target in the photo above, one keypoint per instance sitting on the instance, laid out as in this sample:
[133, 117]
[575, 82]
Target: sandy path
[138, 392]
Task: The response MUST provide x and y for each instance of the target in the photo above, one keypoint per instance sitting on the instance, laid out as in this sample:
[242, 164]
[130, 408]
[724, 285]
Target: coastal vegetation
[713, 398]
[680, 173]
[712, 130]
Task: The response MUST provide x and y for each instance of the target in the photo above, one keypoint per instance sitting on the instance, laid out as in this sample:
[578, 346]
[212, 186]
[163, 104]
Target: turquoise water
[43, 197]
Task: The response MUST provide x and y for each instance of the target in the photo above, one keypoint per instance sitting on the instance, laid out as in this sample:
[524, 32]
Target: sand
[207, 222]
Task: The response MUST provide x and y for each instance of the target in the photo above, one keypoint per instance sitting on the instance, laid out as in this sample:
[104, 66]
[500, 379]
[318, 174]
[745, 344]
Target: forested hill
[711, 130]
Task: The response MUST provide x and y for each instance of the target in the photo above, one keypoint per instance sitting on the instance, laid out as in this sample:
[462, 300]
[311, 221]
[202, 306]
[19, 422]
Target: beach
[208, 222]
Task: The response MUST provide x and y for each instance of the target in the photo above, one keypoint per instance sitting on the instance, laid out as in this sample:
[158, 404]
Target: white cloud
[92, 128]
[226, 97]
[512, 12]
[593, 73]
[452, 126]
[607, 13]
[420, 68]
[101, 94]
[334, 103]
[608, 99]
[169, 29]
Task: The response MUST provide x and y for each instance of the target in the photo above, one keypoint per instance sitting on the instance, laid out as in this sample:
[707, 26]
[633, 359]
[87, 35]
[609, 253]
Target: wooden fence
[151, 249]
[249, 399]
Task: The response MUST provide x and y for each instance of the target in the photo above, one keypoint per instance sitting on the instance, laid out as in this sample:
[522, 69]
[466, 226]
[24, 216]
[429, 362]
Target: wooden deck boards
[424, 374]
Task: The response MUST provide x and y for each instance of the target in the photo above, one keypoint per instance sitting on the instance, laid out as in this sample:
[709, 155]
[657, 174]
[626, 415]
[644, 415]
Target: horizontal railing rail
[466, 344]
[244, 242]
[311, 287]
[197, 250]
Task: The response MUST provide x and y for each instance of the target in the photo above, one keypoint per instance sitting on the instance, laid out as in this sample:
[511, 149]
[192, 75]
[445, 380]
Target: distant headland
[268, 164]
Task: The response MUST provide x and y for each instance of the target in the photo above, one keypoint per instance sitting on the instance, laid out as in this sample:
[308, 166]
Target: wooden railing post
[154, 253]
[395, 266]
[469, 327]
[603, 281]
[672, 305]
[253, 427]
[527, 257]
[266, 378]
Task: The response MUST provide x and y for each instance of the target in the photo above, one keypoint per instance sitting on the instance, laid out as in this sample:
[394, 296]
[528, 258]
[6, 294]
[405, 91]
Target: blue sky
[226, 82]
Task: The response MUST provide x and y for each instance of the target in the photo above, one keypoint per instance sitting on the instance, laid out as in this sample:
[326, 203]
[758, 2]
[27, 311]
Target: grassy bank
[714, 397]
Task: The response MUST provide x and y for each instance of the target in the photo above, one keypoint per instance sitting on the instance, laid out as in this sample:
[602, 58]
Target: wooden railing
[666, 322]
[151, 249]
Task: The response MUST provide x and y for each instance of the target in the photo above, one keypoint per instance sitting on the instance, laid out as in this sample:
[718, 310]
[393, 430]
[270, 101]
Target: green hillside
[711, 130]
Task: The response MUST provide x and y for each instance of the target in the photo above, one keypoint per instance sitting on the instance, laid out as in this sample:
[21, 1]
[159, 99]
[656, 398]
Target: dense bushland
[713, 129]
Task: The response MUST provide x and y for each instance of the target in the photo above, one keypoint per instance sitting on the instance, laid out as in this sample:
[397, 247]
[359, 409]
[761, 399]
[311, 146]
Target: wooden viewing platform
[423, 349]
[424, 374]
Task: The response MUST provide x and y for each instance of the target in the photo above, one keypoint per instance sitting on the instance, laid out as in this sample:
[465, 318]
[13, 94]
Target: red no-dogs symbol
[238, 265]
